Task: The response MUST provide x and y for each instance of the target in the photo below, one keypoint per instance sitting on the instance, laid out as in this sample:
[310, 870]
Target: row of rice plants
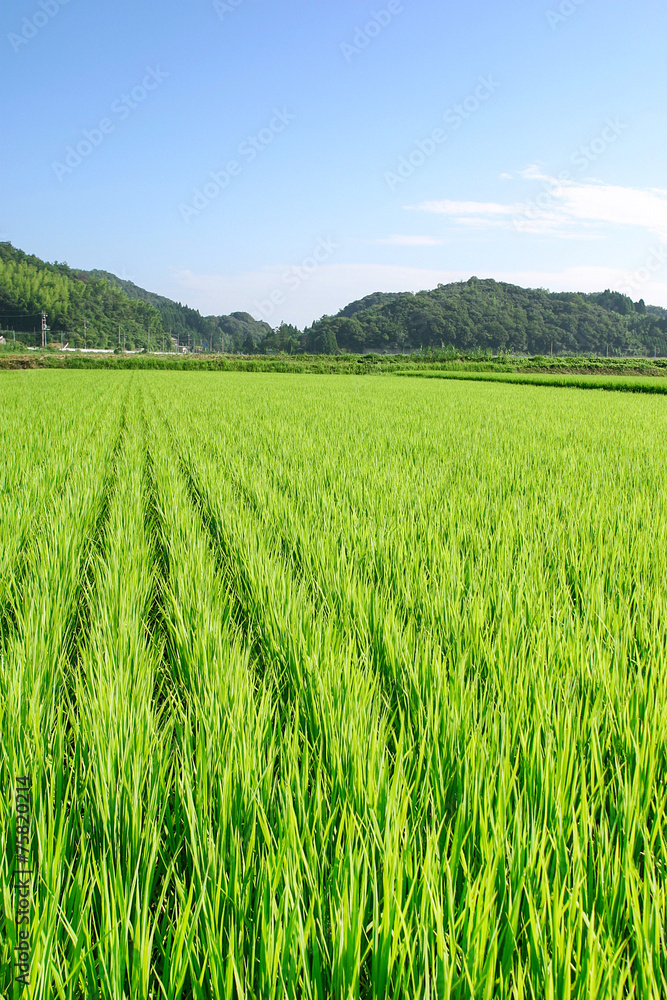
[652, 384]
[217, 828]
[118, 872]
[36, 669]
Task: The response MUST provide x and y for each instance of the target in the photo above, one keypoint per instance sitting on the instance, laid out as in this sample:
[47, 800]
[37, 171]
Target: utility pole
[44, 329]
[119, 335]
[85, 335]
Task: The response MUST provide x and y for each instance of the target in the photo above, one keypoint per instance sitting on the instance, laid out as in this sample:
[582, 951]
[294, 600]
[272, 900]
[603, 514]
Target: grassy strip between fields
[616, 383]
[435, 363]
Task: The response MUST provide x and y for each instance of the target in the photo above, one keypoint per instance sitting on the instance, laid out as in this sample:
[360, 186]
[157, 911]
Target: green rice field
[327, 687]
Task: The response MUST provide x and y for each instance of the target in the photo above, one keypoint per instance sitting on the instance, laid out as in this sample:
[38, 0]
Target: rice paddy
[325, 687]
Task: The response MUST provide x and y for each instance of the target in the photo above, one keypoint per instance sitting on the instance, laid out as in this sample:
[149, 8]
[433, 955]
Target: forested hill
[87, 308]
[490, 315]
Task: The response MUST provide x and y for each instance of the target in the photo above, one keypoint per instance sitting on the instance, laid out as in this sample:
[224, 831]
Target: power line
[4, 316]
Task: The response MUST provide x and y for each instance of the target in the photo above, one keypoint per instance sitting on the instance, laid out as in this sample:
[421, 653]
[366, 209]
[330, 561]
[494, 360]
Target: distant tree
[328, 344]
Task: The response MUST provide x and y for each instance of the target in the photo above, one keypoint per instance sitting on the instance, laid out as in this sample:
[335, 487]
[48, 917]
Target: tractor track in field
[220, 551]
[152, 528]
[157, 617]
[98, 541]
[294, 562]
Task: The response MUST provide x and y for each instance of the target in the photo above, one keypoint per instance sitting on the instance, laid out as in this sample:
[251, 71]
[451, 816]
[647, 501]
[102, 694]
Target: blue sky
[286, 158]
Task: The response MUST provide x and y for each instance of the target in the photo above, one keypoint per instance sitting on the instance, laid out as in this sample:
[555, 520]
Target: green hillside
[81, 309]
[87, 308]
[490, 315]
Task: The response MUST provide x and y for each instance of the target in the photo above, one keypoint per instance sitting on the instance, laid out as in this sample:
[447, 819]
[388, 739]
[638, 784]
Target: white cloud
[533, 172]
[617, 205]
[566, 209]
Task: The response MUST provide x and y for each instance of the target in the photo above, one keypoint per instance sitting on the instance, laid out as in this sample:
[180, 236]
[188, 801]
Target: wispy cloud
[569, 210]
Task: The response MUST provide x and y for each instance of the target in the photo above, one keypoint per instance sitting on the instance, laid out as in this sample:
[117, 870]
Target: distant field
[333, 687]
[618, 383]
